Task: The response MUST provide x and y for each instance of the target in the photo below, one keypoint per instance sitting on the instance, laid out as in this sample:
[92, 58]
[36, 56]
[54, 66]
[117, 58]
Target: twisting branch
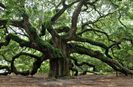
[99, 44]
[25, 24]
[75, 63]
[37, 64]
[97, 54]
[55, 17]
[32, 34]
[83, 63]
[22, 43]
[13, 68]
[30, 30]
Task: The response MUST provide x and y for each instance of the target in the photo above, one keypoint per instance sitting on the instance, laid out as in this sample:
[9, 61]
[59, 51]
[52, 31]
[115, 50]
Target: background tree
[60, 30]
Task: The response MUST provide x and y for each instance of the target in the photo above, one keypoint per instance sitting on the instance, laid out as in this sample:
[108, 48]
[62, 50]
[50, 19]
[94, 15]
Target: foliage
[91, 31]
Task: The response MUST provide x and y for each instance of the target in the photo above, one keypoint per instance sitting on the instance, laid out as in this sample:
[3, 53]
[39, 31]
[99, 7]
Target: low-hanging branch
[95, 43]
[98, 55]
[37, 64]
[83, 63]
[13, 68]
[43, 46]
[102, 45]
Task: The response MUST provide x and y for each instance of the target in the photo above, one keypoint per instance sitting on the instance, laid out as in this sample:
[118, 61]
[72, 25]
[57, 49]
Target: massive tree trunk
[59, 65]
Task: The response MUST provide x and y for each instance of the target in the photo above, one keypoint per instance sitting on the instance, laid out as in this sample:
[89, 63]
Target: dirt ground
[80, 81]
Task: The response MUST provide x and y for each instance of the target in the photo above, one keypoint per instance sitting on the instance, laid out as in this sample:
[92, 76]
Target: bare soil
[80, 81]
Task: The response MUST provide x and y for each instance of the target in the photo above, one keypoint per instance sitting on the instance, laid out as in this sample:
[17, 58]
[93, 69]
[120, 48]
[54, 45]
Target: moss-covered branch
[14, 38]
[79, 65]
[13, 68]
[96, 43]
[96, 54]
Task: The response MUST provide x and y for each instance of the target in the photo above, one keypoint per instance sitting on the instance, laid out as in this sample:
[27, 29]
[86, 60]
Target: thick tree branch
[37, 64]
[76, 63]
[74, 20]
[95, 43]
[17, 39]
[55, 17]
[51, 30]
[35, 41]
[83, 63]
[96, 54]
[42, 46]
[21, 42]
[13, 68]
[30, 30]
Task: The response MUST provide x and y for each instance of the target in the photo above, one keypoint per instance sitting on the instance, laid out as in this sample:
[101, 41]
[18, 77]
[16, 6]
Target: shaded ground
[80, 81]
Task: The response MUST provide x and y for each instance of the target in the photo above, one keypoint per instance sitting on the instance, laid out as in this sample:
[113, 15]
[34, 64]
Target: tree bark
[59, 67]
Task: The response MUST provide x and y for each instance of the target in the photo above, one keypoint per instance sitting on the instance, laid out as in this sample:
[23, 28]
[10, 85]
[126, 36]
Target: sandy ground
[80, 81]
